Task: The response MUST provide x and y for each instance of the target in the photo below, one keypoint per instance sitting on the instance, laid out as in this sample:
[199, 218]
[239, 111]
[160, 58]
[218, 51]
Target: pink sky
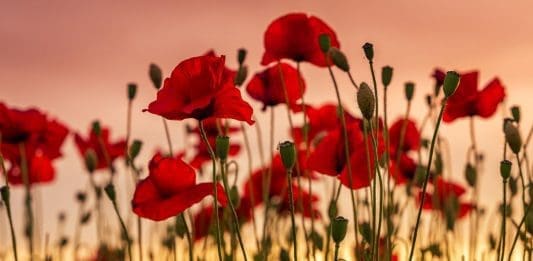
[74, 59]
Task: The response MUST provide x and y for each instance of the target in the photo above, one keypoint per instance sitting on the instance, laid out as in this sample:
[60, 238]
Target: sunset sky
[73, 60]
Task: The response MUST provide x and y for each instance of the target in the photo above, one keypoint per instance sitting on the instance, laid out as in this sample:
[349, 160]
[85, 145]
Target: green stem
[8, 206]
[124, 229]
[428, 173]
[504, 218]
[27, 199]
[291, 206]
[380, 215]
[336, 257]
[518, 231]
[215, 190]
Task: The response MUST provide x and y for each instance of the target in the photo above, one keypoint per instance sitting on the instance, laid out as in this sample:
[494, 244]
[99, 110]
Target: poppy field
[354, 180]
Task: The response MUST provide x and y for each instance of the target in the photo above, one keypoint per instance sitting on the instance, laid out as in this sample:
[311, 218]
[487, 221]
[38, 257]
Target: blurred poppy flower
[204, 222]
[170, 189]
[105, 149]
[295, 36]
[402, 166]
[197, 89]
[469, 101]
[267, 87]
[444, 193]
[41, 140]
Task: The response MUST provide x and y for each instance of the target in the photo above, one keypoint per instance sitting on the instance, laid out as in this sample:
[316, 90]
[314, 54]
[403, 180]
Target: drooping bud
[110, 192]
[156, 75]
[4, 192]
[222, 147]
[470, 175]
[339, 59]
[365, 100]
[451, 209]
[409, 90]
[386, 75]
[241, 75]
[513, 186]
[339, 227]
[369, 51]
[515, 111]
[241, 55]
[234, 196]
[451, 81]
[135, 149]
[288, 154]
[96, 128]
[505, 169]
[91, 160]
[512, 136]
[324, 41]
[132, 91]
[332, 209]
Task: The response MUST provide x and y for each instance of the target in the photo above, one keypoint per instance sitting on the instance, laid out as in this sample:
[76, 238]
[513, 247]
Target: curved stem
[428, 173]
[291, 206]
[518, 231]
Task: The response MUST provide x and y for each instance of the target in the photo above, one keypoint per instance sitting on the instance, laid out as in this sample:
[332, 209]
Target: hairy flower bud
[91, 160]
[4, 192]
[512, 136]
[135, 149]
[365, 100]
[324, 42]
[156, 75]
[409, 90]
[339, 227]
[241, 55]
[505, 169]
[339, 59]
[470, 175]
[241, 75]
[515, 111]
[96, 128]
[110, 192]
[451, 81]
[386, 75]
[288, 154]
[222, 147]
[369, 51]
[132, 91]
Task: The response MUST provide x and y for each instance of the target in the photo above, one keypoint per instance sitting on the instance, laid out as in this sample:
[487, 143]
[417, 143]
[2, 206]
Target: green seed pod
[529, 221]
[132, 91]
[451, 81]
[470, 175]
[339, 226]
[110, 192]
[365, 100]
[369, 51]
[91, 160]
[222, 147]
[156, 75]
[386, 75]
[332, 210]
[512, 136]
[409, 90]
[513, 186]
[288, 154]
[515, 111]
[96, 128]
[234, 196]
[241, 55]
[241, 75]
[339, 59]
[505, 169]
[135, 149]
[324, 41]
[4, 192]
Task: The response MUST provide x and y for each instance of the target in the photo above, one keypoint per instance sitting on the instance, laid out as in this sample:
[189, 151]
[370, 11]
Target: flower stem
[518, 231]
[215, 191]
[504, 218]
[27, 199]
[336, 256]
[7, 203]
[124, 229]
[291, 206]
[428, 173]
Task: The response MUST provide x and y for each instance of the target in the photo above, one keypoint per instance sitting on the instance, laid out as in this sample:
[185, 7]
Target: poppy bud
[409, 90]
[85, 218]
[513, 186]
[96, 128]
[339, 226]
[515, 111]
[365, 100]
[529, 221]
[241, 75]
[451, 81]
[4, 191]
[451, 210]
[429, 100]
[386, 75]
[81, 196]
[110, 192]
[91, 160]
[135, 149]
[222, 147]
[505, 169]
[234, 196]
[470, 175]
[324, 42]
[339, 59]
[132, 91]
[288, 154]
[512, 136]
[369, 51]
[241, 55]
[156, 75]
[332, 209]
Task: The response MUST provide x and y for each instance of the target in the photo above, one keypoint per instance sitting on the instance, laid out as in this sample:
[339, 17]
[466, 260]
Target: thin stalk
[266, 179]
[124, 229]
[504, 218]
[428, 173]
[27, 199]
[7, 203]
[215, 191]
[336, 256]
[380, 215]
[223, 171]
[291, 205]
[518, 231]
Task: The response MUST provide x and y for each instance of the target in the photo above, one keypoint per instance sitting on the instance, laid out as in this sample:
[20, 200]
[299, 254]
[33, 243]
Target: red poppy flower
[411, 136]
[113, 150]
[444, 192]
[197, 89]
[204, 222]
[202, 156]
[41, 139]
[469, 101]
[404, 170]
[295, 36]
[309, 203]
[228, 74]
[267, 87]
[170, 189]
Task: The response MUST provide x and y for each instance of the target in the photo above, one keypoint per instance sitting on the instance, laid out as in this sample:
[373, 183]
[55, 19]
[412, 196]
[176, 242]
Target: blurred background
[73, 60]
